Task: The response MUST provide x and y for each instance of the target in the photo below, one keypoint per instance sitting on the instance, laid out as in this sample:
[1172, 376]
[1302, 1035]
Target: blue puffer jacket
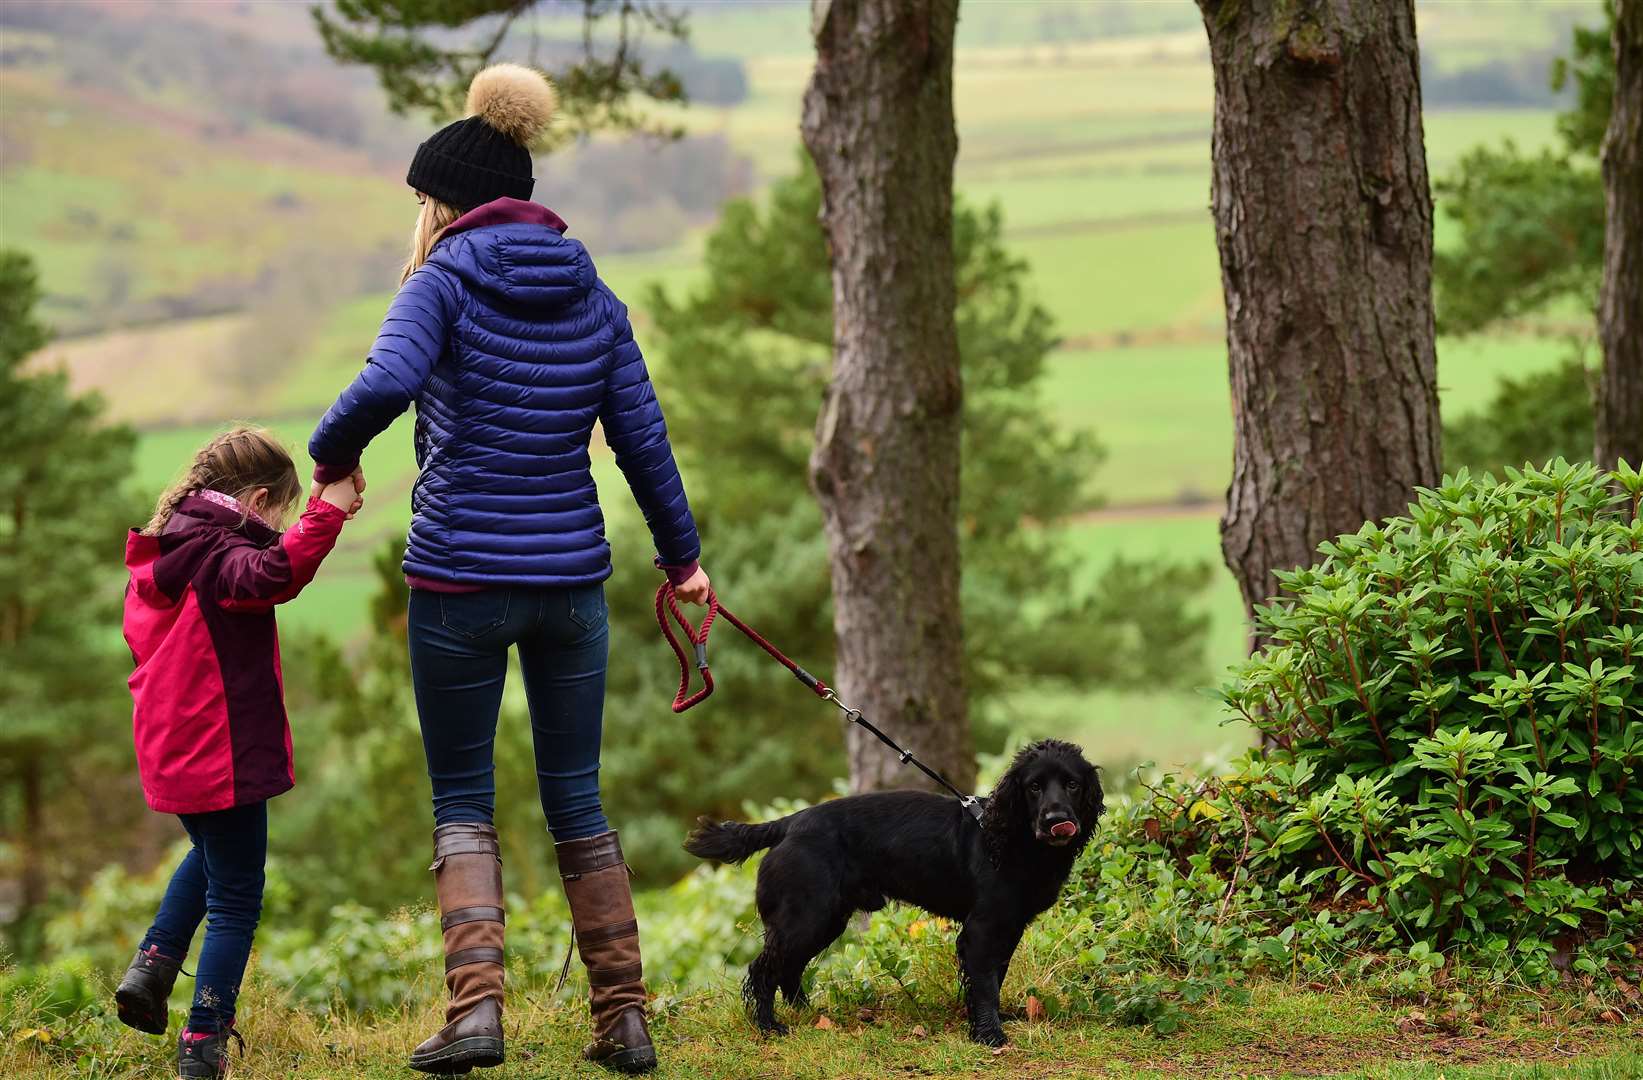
[511, 347]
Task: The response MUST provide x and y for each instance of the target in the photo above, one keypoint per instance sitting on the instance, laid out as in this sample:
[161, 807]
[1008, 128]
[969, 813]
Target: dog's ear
[1091, 802]
[1006, 813]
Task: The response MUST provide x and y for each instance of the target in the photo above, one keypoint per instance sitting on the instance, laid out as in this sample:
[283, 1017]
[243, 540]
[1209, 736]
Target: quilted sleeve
[636, 433]
[406, 349]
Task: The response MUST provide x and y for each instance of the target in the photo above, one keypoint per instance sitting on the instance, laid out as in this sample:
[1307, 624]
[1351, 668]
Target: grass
[1163, 412]
[1125, 279]
[1282, 1031]
[1170, 728]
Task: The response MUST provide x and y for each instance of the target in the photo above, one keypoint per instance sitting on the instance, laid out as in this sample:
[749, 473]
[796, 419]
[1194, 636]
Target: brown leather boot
[607, 936]
[468, 879]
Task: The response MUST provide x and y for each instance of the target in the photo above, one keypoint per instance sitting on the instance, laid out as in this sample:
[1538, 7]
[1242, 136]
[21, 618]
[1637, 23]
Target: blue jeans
[220, 879]
[459, 660]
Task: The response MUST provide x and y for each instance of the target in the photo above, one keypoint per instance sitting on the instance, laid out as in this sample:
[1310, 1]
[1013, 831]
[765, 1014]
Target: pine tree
[64, 508]
[425, 52]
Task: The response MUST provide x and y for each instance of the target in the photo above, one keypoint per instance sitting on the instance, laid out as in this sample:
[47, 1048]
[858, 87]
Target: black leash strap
[969, 802]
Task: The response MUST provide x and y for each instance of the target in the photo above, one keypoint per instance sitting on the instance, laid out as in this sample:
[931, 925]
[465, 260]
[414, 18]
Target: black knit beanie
[469, 163]
[486, 156]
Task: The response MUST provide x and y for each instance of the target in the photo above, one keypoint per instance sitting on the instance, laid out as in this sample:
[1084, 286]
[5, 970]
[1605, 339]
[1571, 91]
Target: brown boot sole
[639, 1059]
[464, 1055]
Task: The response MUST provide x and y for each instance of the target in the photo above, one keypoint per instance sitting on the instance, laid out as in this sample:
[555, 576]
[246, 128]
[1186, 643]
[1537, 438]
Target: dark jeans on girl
[219, 880]
[459, 660]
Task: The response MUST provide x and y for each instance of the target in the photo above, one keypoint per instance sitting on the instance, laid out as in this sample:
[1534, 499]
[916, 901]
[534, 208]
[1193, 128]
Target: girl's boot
[204, 1055]
[468, 879]
[140, 999]
[607, 936]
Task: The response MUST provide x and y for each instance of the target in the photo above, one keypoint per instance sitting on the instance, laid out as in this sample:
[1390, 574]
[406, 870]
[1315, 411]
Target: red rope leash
[667, 604]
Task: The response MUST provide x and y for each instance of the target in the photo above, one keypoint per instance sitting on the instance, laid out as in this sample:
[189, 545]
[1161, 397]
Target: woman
[511, 347]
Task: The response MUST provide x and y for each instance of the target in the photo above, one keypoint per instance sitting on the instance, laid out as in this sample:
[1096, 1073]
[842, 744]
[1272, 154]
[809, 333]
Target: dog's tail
[733, 841]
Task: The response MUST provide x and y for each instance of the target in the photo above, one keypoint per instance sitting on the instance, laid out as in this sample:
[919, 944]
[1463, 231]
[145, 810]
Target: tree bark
[878, 121]
[31, 836]
[1323, 219]
[1620, 310]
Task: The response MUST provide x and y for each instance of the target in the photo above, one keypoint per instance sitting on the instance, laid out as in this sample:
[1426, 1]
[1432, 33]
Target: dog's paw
[773, 1029]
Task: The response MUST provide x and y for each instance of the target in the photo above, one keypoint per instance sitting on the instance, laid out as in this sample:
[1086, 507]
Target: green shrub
[1453, 707]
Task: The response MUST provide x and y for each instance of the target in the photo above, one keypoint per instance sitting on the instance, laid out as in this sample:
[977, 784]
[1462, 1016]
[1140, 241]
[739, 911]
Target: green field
[118, 212]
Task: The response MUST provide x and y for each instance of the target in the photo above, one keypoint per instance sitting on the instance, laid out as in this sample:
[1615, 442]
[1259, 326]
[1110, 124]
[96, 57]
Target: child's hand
[343, 496]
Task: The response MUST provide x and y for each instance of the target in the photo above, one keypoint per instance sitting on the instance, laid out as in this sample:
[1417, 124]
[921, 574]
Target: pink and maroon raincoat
[208, 700]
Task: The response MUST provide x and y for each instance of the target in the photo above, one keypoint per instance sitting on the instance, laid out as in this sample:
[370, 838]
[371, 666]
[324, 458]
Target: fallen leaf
[1316, 986]
[997, 1050]
[866, 1016]
[919, 1032]
[1035, 1008]
[824, 1023]
[1609, 1016]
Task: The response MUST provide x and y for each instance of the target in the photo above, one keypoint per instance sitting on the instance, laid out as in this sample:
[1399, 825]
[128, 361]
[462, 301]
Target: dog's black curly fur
[857, 853]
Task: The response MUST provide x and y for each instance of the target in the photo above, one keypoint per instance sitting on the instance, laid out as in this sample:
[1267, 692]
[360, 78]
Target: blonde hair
[237, 463]
[431, 223]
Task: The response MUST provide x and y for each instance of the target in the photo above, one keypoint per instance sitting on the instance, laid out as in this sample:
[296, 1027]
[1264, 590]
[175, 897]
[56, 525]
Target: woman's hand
[696, 589]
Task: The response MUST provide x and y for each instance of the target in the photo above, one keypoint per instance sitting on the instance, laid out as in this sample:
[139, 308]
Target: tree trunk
[30, 837]
[878, 120]
[1323, 219]
[1620, 312]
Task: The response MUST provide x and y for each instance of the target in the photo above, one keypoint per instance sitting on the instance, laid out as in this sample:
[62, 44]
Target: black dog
[854, 854]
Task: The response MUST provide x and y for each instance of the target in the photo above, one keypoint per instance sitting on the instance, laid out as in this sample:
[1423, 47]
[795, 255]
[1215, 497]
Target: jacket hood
[516, 255]
[141, 550]
[192, 513]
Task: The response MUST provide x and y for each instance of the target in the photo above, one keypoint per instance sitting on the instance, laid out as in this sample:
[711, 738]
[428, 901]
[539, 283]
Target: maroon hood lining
[506, 211]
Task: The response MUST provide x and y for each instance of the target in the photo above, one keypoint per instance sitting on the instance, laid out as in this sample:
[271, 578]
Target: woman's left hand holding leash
[696, 589]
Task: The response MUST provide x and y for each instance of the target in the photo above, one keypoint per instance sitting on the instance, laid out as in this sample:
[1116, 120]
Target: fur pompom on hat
[486, 155]
[514, 100]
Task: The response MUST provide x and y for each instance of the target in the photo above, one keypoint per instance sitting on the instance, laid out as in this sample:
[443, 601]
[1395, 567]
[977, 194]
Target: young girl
[213, 744]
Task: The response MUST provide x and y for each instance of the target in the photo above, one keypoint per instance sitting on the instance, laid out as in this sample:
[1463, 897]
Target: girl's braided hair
[236, 463]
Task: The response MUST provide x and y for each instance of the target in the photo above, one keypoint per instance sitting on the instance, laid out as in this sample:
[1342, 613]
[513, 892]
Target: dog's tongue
[1064, 828]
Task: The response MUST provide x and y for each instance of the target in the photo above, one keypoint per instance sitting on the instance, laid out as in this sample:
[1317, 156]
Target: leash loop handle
[667, 611]
[669, 614]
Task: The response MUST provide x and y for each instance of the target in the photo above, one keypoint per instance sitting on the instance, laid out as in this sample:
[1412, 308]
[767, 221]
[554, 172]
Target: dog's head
[1050, 796]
